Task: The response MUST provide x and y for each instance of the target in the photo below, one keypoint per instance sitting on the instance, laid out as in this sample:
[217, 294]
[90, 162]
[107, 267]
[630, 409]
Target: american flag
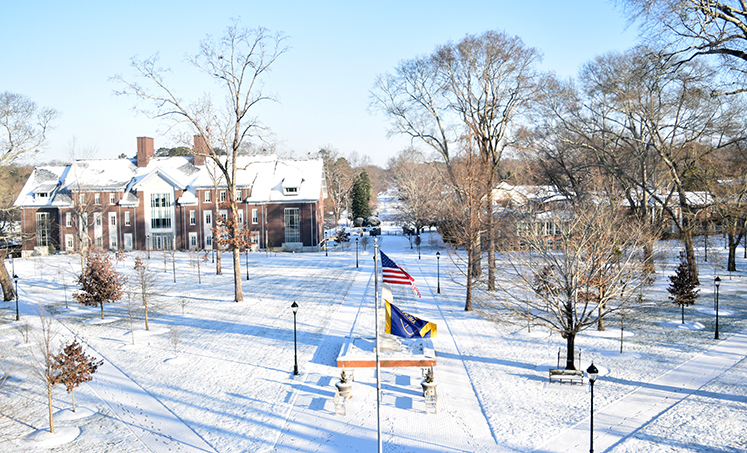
[395, 274]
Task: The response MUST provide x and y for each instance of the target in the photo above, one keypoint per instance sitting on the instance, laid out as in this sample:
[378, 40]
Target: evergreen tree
[99, 282]
[683, 287]
[361, 196]
[74, 367]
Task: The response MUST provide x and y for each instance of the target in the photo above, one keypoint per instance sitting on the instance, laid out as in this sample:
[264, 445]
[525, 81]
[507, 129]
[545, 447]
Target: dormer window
[291, 190]
[291, 185]
[42, 194]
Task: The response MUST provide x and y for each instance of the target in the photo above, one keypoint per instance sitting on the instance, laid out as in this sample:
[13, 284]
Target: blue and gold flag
[406, 325]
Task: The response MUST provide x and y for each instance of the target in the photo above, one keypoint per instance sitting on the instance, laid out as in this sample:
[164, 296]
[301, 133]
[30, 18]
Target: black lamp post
[325, 248]
[246, 262]
[356, 252]
[147, 245]
[417, 242]
[592, 372]
[15, 278]
[717, 281]
[438, 272]
[294, 307]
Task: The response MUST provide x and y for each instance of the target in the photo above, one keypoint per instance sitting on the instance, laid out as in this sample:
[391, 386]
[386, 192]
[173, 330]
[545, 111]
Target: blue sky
[63, 54]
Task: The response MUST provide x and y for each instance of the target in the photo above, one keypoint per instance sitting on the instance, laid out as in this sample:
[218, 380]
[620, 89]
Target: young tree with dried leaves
[239, 62]
[569, 268]
[99, 282]
[74, 367]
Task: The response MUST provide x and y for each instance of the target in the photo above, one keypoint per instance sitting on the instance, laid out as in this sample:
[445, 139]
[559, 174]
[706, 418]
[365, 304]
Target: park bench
[561, 375]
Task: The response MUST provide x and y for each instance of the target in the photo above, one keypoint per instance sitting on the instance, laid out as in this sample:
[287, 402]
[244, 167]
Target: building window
[128, 241]
[207, 196]
[97, 198]
[112, 198]
[291, 190]
[255, 216]
[127, 218]
[160, 210]
[238, 195]
[209, 241]
[97, 218]
[68, 219]
[112, 219]
[69, 242]
[192, 240]
[192, 218]
[42, 229]
[292, 225]
[223, 213]
[241, 218]
[82, 198]
[222, 196]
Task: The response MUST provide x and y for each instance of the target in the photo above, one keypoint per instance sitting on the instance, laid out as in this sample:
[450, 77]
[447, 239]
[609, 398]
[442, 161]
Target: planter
[344, 388]
[428, 386]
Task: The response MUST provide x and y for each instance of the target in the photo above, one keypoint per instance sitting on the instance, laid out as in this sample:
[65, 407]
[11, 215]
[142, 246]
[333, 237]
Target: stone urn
[428, 386]
[344, 388]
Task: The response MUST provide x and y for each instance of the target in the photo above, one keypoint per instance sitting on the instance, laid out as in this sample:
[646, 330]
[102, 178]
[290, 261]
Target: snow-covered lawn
[228, 384]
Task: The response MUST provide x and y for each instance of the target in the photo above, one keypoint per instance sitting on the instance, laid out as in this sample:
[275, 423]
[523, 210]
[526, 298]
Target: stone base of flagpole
[358, 352]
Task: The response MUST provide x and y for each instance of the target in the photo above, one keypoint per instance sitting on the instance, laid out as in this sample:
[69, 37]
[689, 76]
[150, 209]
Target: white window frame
[255, 216]
[112, 198]
[207, 196]
[192, 217]
[97, 198]
[127, 218]
[68, 219]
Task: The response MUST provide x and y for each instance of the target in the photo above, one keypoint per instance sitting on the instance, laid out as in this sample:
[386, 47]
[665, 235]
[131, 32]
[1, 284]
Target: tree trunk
[72, 394]
[491, 242]
[733, 241]
[6, 282]
[218, 269]
[101, 303]
[145, 310]
[475, 254]
[570, 351]
[687, 236]
[49, 401]
[468, 300]
[649, 266]
[683, 312]
[238, 292]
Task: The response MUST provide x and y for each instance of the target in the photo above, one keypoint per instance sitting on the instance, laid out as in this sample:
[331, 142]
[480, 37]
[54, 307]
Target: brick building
[170, 202]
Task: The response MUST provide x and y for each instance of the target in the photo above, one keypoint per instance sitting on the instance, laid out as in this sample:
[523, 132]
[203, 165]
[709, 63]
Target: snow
[229, 385]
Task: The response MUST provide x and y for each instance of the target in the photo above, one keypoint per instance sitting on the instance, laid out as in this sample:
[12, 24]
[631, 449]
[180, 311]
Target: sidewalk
[622, 419]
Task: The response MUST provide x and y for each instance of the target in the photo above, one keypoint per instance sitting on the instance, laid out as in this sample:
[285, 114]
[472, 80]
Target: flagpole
[376, 328]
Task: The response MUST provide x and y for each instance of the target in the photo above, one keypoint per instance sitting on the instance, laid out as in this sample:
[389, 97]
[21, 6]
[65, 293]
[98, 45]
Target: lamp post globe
[592, 372]
[294, 308]
[717, 282]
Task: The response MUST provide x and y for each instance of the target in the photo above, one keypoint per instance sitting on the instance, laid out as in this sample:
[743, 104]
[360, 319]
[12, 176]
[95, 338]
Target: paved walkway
[623, 418]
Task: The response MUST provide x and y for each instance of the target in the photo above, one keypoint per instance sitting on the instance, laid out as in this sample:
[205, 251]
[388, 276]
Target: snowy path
[459, 425]
[617, 422]
[151, 422]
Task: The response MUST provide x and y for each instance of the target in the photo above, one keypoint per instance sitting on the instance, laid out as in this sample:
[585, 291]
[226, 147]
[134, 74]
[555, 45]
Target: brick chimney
[200, 149]
[144, 151]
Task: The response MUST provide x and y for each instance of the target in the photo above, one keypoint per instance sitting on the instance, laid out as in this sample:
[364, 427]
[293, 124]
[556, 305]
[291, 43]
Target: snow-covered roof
[268, 177]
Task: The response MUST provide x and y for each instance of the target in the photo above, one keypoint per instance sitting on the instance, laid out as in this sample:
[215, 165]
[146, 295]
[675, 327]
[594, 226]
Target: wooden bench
[561, 375]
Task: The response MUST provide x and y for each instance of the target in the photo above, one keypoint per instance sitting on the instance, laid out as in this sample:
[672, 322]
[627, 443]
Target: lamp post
[417, 242]
[246, 261]
[438, 272]
[717, 282]
[325, 248]
[592, 372]
[15, 278]
[294, 307]
[356, 252]
[147, 245]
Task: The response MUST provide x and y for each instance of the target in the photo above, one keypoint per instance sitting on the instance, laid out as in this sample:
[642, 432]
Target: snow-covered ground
[229, 385]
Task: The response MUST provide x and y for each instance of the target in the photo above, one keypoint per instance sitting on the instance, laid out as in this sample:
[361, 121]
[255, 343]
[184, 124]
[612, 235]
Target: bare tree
[699, 29]
[239, 61]
[567, 281]
[419, 188]
[339, 177]
[476, 88]
[144, 284]
[44, 358]
[23, 130]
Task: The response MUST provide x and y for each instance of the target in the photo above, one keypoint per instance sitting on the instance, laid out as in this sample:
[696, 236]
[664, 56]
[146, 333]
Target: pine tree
[361, 196]
[99, 282]
[74, 367]
[683, 287]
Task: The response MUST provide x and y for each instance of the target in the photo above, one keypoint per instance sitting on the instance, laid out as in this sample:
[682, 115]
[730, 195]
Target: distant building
[162, 203]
